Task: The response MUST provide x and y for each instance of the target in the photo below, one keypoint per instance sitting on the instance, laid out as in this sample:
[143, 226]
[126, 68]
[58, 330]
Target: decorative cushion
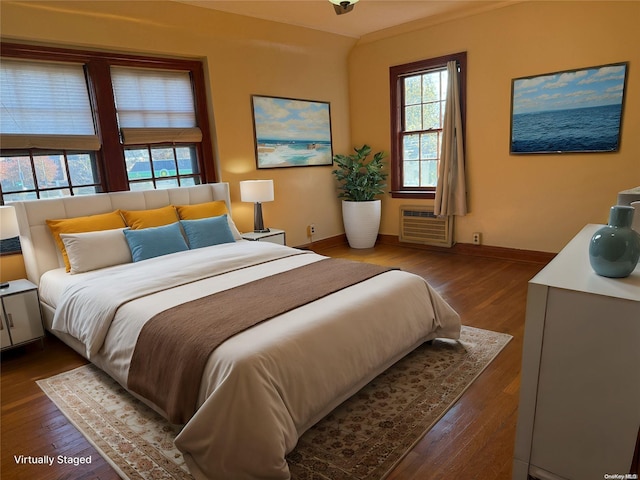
[207, 231]
[216, 208]
[91, 223]
[155, 241]
[137, 219]
[202, 210]
[93, 250]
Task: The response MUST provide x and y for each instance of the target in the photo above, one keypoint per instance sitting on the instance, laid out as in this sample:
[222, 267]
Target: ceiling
[367, 17]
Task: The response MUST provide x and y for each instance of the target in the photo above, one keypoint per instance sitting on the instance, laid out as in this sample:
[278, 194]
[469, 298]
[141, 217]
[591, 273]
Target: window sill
[413, 194]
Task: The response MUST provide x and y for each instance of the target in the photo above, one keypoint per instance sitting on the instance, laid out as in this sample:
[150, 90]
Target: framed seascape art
[291, 133]
[570, 111]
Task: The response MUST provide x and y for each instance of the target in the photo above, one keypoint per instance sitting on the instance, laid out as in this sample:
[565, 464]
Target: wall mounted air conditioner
[419, 225]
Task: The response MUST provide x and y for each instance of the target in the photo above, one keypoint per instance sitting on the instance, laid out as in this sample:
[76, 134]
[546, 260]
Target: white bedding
[265, 386]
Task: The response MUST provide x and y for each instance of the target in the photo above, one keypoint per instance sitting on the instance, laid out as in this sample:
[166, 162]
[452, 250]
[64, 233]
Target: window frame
[113, 173]
[396, 75]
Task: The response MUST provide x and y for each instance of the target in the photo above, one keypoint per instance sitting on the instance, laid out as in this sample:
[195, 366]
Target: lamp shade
[8, 222]
[256, 191]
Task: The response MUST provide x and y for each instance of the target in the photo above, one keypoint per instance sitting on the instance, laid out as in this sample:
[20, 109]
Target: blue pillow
[152, 242]
[207, 231]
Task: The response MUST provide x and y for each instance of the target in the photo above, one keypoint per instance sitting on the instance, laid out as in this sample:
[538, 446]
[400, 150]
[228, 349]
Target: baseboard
[528, 256]
[325, 243]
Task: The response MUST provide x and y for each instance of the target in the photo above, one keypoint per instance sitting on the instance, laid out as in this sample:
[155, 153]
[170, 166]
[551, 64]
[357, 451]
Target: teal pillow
[152, 242]
[207, 231]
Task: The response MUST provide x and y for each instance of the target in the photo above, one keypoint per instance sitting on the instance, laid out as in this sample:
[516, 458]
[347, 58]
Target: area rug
[364, 438]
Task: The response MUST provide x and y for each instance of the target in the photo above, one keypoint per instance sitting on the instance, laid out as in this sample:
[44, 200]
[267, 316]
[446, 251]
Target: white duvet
[265, 386]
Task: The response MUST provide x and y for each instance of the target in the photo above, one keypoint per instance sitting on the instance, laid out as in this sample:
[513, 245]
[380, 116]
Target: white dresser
[579, 410]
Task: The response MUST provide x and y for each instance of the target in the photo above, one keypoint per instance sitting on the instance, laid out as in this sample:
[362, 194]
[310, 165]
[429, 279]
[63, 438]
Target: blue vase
[614, 250]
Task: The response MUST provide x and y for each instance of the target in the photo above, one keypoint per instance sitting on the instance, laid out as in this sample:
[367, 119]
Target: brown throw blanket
[173, 347]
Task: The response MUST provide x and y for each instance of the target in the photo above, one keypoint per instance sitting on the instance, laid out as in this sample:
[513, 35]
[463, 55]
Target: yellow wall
[533, 202]
[12, 268]
[243, 56]
[528, 202]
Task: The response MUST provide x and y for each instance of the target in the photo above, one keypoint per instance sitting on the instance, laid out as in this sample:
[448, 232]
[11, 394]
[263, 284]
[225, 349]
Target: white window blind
[45, 105]
[155, 106]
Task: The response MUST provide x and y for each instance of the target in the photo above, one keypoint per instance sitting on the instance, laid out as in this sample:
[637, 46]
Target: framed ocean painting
[570, 111]
[291, 133]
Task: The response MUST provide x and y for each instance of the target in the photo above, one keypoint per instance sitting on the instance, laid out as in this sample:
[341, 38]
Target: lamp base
[258, 224]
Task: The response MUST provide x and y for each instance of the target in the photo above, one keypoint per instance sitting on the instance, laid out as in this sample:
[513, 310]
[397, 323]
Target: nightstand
[273, 235]
[20, 317]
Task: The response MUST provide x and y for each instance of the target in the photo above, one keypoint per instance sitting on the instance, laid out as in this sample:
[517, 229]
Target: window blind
[45, 105]
[140, 136]
[153, 98]
[154, 106]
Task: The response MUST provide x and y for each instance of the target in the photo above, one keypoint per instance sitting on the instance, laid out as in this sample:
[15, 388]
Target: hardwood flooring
[474, 440]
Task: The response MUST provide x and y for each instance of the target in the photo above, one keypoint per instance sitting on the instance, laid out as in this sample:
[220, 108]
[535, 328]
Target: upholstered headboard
[38, 247]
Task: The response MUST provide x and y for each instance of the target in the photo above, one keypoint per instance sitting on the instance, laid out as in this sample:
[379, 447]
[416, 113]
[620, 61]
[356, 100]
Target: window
[76, 122]
[47, 126]
[48, 174]
[418, 99]
[157, 106]
[161, 167]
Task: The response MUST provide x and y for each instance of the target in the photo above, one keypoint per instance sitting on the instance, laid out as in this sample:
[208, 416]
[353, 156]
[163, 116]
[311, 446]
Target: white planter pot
[361, 222]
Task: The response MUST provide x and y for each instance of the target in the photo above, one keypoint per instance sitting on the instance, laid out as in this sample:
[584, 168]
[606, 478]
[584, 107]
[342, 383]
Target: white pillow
[93, 250]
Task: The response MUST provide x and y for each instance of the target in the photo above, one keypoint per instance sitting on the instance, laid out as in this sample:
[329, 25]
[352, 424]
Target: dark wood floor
[474, 440]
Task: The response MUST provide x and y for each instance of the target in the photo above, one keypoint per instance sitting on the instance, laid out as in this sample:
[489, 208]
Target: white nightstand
[273, 235]
[21, 320]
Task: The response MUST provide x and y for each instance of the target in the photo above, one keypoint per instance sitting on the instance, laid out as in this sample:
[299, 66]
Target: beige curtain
[451, 192]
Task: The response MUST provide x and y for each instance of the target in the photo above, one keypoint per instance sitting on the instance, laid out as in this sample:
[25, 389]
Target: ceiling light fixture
[343, 6]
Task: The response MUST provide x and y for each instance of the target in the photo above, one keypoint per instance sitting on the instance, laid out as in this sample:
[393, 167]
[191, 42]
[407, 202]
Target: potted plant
[360, 181]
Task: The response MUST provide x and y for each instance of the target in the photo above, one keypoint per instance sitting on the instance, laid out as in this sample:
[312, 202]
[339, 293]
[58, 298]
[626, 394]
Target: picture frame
[572, 111]
[290, 132]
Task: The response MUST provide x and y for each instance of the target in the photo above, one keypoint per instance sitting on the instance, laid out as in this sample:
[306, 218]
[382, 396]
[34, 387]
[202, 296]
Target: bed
[262, 387]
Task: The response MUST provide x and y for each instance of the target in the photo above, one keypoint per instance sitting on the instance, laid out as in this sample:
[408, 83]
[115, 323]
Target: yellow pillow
[91, 223]
[202, 210]
[157, 217]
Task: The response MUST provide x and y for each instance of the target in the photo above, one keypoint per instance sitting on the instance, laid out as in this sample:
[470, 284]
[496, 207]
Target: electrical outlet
[311, 230]
[477, 238]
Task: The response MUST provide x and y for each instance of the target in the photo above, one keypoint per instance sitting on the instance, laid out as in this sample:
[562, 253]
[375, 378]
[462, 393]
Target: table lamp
[257, 191]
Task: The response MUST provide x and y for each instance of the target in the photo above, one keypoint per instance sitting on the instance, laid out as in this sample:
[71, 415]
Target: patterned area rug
[364, 438]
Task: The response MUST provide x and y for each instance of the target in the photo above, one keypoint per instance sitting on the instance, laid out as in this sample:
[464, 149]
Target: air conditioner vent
[423, 213]
[420, 225]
